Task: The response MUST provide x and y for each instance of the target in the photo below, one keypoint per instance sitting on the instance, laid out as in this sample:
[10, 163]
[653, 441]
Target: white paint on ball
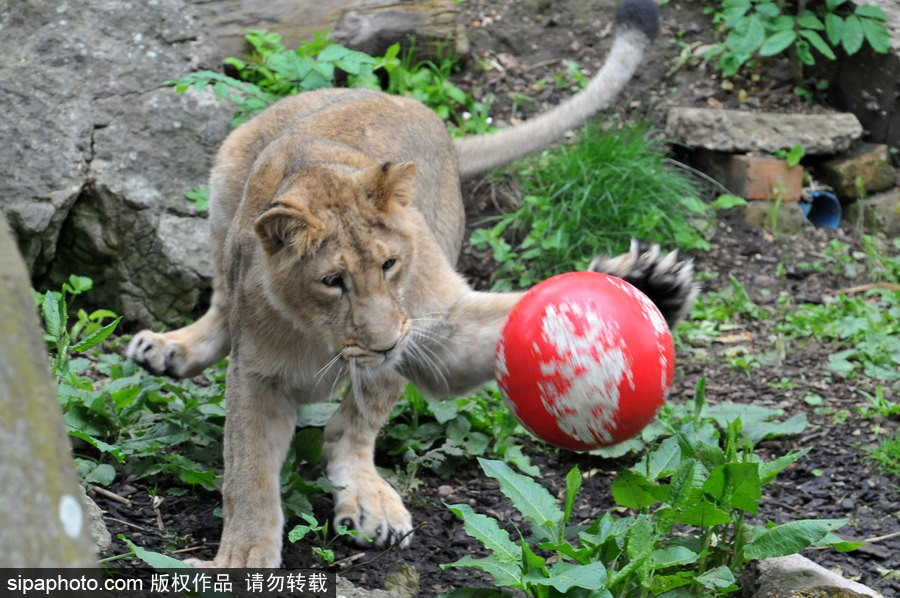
[71, 515]
[594, 363]
[652, 314]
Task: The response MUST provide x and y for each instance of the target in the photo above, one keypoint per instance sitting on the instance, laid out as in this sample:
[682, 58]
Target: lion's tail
[636, 26]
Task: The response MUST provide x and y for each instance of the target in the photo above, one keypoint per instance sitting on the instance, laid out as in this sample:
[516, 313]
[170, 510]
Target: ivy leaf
[852, 36]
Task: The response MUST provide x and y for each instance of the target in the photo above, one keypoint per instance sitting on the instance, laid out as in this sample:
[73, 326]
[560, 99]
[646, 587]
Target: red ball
[585, 360]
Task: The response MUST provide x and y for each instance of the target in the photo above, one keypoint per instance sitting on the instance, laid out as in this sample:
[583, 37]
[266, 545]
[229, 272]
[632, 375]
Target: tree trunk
[43, 521]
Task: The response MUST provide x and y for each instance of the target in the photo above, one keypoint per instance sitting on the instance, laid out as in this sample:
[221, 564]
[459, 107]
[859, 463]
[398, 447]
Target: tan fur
[336, 221]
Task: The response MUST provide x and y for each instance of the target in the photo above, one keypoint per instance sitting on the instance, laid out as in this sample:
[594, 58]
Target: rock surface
[96, 152]
[793, 576]
[740, 131]
[367, 25]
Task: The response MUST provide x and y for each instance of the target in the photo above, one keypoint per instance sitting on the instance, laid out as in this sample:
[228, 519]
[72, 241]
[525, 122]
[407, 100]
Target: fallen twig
[111, 495]
[395, 544]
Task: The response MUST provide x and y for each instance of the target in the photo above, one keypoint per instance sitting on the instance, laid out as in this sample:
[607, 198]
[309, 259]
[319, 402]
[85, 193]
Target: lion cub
[336, 222]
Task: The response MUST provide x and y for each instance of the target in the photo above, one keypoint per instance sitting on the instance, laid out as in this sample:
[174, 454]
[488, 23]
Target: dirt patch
[528, 42]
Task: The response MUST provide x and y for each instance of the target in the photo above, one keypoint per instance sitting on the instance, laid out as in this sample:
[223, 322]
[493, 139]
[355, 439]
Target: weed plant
[273, 71]
[688, 530]
[765, 28]
[593, 196]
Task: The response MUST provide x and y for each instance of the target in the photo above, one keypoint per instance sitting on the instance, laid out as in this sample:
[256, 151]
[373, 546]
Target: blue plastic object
[824, 209]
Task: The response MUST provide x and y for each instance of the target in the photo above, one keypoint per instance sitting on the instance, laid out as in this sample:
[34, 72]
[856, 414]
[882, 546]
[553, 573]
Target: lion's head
[339, 253]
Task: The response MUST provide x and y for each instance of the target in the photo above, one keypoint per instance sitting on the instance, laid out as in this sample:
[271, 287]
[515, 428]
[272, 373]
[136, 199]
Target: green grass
[887, 455]
[593, 196]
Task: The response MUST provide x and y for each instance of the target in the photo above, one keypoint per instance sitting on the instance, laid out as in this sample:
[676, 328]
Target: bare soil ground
[527, 43]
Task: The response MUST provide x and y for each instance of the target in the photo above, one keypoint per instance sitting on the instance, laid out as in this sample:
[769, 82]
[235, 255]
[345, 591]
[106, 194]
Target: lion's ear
[395, 182]
[283, 225]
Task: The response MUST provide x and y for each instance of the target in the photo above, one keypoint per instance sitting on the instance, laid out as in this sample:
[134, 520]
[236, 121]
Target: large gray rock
[740, 131]
[96, 152]
[795, 576]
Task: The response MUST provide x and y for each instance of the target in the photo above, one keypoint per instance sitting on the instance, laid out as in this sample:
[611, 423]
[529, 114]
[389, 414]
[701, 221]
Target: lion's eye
[388, 264]
[333, 281]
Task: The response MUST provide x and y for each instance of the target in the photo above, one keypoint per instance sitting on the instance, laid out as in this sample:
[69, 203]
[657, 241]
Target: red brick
[753, 176]
[764, 177]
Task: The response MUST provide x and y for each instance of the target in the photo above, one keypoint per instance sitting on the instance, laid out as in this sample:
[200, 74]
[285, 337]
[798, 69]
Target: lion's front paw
[262, 554]
[666, 279]
[156, 354]
[371, 506]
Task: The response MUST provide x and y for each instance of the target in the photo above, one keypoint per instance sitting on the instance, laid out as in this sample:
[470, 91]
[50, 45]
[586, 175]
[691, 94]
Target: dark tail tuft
[665, 279]
[640, 14]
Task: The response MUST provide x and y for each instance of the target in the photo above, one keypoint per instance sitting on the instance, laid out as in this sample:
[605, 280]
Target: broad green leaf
[818, 43]
[536, 504]
[672, 556]
[487, 531]
[804, 53]
[720, 577]
[790, 538]
[839, 544]
[749, 37]
[565, 576]
[870, 11]
[443, 411]
[470, 592]
[810, 21]
[504, 574]
[834, 27]
[102, 475]
[736, 485]
[664, 460]
[687, 483]
[726, 201]
[640, 538]
[833, 4]
[701, 513]
[660, 584]
[97, 337]
[316, 414]
[79, 284]
[634, 491]
[852, 35]
[155, 559]
[876, 35]
[116, 452]
[770, 469]
[50, 312]
[573, 484]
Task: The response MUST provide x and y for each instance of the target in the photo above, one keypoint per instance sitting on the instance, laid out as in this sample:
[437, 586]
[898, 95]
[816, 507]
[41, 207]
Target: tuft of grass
[887, 455]
[594, 196]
